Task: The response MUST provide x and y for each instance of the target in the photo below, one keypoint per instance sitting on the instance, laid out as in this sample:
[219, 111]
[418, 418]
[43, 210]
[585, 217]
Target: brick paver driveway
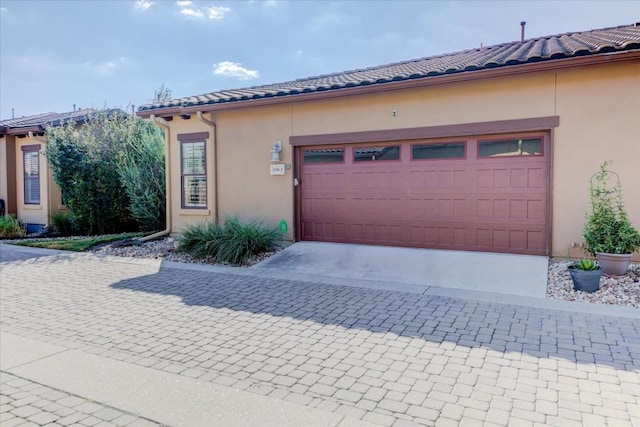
[390, 358]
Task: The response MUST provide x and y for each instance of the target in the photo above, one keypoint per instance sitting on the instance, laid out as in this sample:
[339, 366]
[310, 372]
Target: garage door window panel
[330, 155]
[448, 150]
[516, 147]
[367, 154]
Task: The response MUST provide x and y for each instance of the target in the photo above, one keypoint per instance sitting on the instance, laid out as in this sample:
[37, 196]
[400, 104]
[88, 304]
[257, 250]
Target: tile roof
[539, 49]
[43, 119]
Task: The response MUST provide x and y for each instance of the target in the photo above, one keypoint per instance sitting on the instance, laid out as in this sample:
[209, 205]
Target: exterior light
[275, 151]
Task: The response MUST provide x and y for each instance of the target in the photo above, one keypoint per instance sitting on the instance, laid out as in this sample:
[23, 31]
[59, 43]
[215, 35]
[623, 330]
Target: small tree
[110, 168]
[142, 173]
[84, 164]
[161, 95]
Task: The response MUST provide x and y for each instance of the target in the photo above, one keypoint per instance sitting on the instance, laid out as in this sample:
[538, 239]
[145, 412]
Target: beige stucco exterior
[50, 194]
[596, 105]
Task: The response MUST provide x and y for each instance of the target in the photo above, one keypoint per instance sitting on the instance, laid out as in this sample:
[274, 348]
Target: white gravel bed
[614, 290]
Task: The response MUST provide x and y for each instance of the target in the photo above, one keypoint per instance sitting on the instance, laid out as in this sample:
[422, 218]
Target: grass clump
[234, 242]
[11, 228]
[78, 244]
[64, 223]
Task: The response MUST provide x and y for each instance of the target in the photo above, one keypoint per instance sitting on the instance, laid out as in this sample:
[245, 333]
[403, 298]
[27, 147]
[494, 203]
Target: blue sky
[116, 53]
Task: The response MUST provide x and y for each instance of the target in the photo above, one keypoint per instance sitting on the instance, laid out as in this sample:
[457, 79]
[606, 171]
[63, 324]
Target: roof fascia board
[551, 65]
[430, 132]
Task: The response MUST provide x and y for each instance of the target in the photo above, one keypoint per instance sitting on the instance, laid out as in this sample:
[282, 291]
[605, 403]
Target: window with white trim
[193, 170]
[31, 167]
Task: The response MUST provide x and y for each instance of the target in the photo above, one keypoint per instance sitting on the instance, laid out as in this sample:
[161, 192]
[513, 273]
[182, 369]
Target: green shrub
[64, 223]
[200, 240]
[142, 173]
[608, 228]
[241, 241]
[11, 228]
[234, 242]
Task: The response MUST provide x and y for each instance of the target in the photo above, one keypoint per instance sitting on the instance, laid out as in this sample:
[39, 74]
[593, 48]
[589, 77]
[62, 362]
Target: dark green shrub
[110, 169]
[200, 240]
[64, 223]
[234, 242]
[84, 160]
[11, 228]
[608, 228]
[240, 241]
[142, 173]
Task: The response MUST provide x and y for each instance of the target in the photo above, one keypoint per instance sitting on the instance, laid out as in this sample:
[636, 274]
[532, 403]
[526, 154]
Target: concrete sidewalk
[149, 394]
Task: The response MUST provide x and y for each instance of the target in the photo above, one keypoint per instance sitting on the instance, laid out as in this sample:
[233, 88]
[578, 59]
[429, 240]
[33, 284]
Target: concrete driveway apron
[333, 354]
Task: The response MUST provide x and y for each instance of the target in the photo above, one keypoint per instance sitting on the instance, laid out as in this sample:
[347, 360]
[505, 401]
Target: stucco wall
[598, 121]
[50, 195]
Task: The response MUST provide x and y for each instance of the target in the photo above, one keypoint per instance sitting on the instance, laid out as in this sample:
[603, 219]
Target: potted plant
[586, 274]
[608, 233]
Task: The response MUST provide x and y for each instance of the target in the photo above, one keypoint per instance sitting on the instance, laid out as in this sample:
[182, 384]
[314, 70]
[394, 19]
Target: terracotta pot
[587, 281]
[615, 264]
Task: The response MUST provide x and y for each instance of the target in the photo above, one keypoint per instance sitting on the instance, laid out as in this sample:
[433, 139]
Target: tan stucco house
[488, 149]
[26, 181]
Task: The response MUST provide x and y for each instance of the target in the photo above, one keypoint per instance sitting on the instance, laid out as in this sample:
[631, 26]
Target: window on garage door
[447, 150]
[510, 147]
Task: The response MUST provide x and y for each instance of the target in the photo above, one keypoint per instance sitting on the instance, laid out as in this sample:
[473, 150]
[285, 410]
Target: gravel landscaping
[614, 290]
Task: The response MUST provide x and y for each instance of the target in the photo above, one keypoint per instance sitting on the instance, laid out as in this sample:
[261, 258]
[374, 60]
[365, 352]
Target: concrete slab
[166, 398]
[16, 351]
[522, 275]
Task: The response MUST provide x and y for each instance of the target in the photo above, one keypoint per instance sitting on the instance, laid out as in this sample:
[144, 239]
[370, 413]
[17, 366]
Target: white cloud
[217, 12]
[235, 70]
[214, 13]
[193, 13]
[143, 4]
[106, 68]
[3, 9]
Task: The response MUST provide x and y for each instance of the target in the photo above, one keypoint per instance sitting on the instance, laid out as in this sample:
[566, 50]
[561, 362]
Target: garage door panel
[495, 204]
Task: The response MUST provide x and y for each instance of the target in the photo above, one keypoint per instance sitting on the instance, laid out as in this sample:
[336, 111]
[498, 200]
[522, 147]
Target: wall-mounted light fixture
[275, 151]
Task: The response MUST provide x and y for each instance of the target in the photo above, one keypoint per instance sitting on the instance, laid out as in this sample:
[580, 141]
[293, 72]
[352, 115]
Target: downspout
[167, 179]
[44, 141]
[212, 125]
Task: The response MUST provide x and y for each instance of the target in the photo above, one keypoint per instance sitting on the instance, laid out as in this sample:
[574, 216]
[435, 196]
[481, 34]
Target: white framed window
[31, 168]
[193, 170]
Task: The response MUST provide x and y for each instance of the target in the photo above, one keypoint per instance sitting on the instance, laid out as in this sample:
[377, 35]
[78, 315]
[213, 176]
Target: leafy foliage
[586, 264]
[235, 242]
[94, 162]
[64, 223]
[10, 228]
[608, 229]
[142, 173]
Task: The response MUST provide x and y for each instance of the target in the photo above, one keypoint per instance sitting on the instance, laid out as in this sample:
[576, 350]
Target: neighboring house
[26, 181]
[488, 149]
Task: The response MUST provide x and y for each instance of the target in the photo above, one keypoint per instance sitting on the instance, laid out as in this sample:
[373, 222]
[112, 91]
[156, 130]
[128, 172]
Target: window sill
[32, 207]
[194, 212]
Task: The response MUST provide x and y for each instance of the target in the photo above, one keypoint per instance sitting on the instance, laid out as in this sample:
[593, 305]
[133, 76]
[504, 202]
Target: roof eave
[24, 130]
[506, 70]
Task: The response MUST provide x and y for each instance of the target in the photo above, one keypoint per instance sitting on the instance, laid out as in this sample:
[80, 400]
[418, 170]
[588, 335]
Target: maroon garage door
[481, 194]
